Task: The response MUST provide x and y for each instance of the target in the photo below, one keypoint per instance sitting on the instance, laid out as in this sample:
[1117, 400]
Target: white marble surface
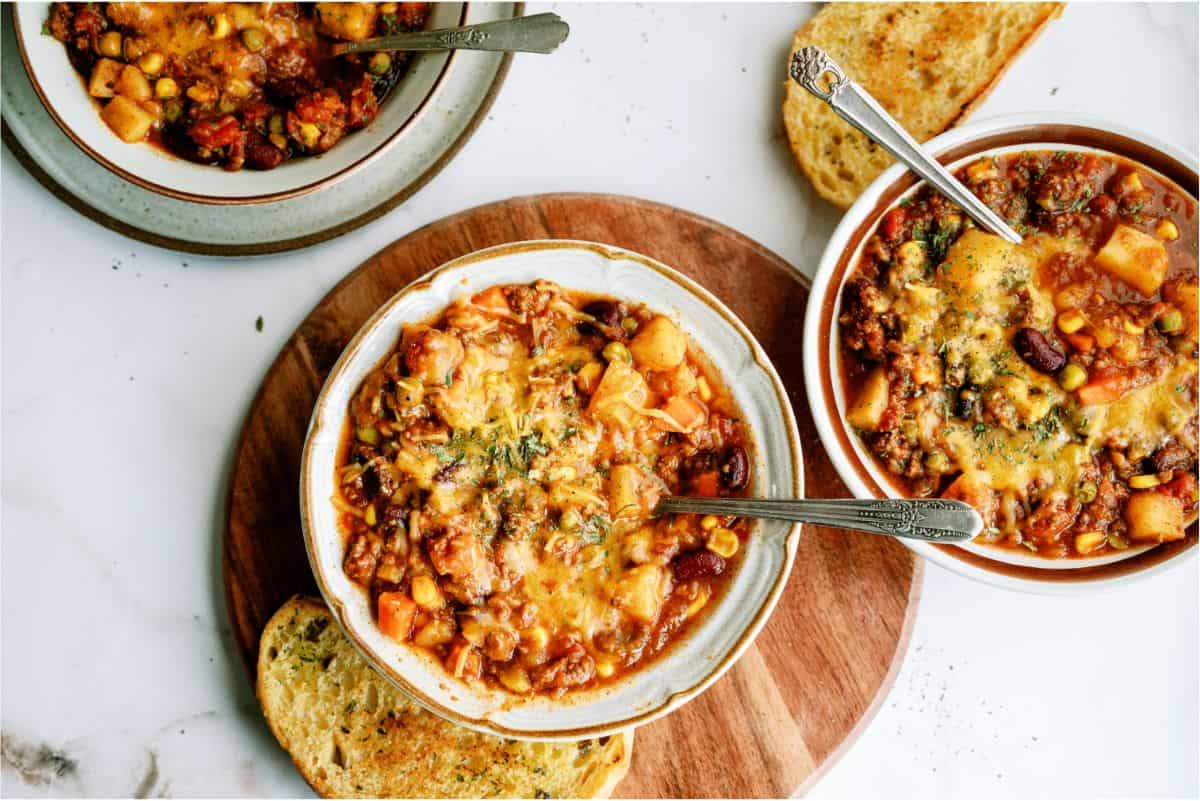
[127, 370]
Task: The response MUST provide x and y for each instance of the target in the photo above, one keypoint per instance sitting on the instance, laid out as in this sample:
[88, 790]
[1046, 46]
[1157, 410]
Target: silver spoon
[926, 519]
[540, 33]
[852, 103]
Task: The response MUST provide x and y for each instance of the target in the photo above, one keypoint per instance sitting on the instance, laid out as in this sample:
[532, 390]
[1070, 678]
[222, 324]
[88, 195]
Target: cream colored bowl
[689, 666]
[65, 96]
[860, 472]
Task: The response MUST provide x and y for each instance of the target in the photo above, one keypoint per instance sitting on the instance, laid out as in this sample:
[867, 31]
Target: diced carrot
[1083, 343]
[396, 614]
[707, 485]
[685, 411]
[1103, 390]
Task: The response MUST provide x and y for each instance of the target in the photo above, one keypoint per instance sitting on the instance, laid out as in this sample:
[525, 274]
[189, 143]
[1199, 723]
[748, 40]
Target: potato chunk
[660, 345]
[105, 75]
[353, 21]
[640, 592]
[867, 410]
[127, 119]
[1136, 258]
[1154, 517]
[133, 84]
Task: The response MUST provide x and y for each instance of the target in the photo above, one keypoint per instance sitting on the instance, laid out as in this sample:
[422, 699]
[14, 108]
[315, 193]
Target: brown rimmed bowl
[65, 97]
[857, 468]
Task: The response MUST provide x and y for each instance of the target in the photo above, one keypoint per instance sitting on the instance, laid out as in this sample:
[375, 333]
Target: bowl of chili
[1051, 384]
[230, 103]
[479, 475]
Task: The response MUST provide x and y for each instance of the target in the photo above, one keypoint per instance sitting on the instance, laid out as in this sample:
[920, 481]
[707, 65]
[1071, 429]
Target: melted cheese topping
[960, 314]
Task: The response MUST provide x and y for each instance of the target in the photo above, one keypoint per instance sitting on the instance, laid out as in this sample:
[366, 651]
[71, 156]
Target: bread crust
[839, 161]
[593, 773]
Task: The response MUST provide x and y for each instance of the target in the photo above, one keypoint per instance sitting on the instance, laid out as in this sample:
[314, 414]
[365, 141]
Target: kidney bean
[1038, 353]
[735, 468]
[698, 564]
[606, 313]
[260, 153]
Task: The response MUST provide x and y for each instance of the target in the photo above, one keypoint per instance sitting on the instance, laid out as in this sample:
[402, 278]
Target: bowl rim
[718, 667]
[1002, 132]
[220, 200]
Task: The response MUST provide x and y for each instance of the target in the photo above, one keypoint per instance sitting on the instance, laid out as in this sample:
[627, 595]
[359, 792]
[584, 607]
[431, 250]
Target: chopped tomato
[216, 133]
[1183, 487]
[893, 224]
[413, 15]
[363, 105]
[321, 107]
[396, 614]
[707, 485]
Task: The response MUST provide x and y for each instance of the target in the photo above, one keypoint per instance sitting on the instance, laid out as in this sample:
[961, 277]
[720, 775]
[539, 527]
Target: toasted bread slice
[928, 64]
[352, 734]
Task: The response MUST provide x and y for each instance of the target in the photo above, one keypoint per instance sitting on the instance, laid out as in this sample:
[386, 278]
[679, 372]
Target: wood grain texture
[829, 652]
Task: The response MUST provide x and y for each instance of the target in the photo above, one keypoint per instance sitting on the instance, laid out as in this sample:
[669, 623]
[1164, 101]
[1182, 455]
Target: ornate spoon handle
[540, 33]
[852, 103]
[928, 519]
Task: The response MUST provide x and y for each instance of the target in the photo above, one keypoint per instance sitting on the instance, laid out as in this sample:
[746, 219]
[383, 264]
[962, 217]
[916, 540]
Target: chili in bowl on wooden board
[229, 102]
[1052, 384]
[479, 476]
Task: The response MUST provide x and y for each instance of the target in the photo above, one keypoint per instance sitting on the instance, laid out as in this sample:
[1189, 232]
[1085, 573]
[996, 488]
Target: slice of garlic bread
[928, 64]
[352, 734]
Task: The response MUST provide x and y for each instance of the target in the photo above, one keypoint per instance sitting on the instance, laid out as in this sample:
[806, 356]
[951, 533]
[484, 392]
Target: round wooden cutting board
[825, 659]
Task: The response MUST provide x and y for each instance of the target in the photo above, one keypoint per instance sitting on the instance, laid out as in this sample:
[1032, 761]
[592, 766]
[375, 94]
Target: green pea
[616, 352]
[1171, 322]
[1072, 377]
[172, 110]
[379, 63]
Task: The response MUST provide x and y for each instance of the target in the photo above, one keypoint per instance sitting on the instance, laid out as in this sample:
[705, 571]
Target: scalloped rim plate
[689, 666]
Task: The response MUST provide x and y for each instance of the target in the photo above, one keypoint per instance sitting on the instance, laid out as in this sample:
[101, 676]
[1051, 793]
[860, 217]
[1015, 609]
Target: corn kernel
[151, 63]
[309, 134]
[1144, 481]
[426, 593]
[166, 88]
[699, 601]
[982, 170]
[723, 542]
[1134, 328]
[537, 638]
[708, 522]
[1088, 541]
[1106, 337]
[220, 25]
[1167, 230]
[369, 516]
[202, 92]
[1070, 321]
[389, 8]
[704, 389]
[239, 87]
[605, 665]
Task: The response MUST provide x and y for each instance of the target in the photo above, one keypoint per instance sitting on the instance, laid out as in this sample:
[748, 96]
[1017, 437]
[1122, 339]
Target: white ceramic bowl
[856, 467]
[689, 666]
[65, 96]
